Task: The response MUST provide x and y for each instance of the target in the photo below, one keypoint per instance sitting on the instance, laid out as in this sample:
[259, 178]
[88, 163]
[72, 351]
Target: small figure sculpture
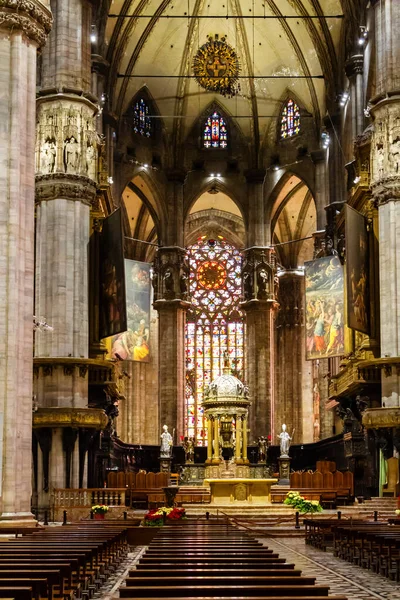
[248, 285]
[262, 283]
[262, 449]
[169, 281]
[71, 155]
[166, 443]
[380, 159]
[285, 441]
[90, 162]
[154, 283]
[112, 412]
[188, 446]
[183, 284]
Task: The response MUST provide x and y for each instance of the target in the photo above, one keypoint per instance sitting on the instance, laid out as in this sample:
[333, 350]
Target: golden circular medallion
[216, 67]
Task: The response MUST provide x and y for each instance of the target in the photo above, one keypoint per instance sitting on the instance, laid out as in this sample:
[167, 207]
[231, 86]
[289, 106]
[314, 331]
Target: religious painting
[134, 343]
[112, 309]
[357, 270]
[324, 308]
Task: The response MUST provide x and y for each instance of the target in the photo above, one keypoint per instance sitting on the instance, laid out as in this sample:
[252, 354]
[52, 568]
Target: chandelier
[216, 67]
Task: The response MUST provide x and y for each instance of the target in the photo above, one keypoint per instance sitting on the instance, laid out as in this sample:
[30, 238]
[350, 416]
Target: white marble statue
[90, 162]
[71, 155]
[285, 441]
[166, 443]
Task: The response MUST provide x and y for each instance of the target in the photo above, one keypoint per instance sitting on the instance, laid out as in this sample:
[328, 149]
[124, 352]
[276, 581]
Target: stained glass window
[290, 119]
[141, 119]
[215, 325]
[215, 134]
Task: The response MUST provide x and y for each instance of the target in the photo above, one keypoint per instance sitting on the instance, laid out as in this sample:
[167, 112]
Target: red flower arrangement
[157, 516]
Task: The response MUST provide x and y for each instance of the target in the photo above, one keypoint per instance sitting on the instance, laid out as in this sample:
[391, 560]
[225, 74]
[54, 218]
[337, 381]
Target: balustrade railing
[87, 497]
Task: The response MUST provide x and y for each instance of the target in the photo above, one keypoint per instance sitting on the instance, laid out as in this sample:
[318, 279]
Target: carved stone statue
[169, 281]
[183, 284]
[71, 155]
[47, 157]
[90, 162]
[380, 161]
[285, 440]
[166, 443]
[248, 285]
[262, 283]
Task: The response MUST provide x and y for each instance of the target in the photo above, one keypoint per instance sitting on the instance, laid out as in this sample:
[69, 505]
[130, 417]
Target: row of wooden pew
[210, 559]
[374, 546]
[60, 563]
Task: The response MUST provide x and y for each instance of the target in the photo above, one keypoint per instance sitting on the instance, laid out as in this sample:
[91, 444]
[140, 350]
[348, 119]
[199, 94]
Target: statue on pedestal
[285, 441]
[166, 443]
[188, 446]
[262, 449]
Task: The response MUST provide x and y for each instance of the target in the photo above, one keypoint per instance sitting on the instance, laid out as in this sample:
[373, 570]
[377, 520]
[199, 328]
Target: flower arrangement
[301, 504]
[157, 516]
[99, 509]
[397, 511]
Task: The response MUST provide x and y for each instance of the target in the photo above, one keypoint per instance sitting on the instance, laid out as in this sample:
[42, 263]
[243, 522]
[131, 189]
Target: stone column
[260, 287]
[385, 171]
[209, 440]
[24, 27]
[354, 71]
[319, 159]
[238, 437]
[245, 425]
[217, 456]
[67, 148]
[171, 300]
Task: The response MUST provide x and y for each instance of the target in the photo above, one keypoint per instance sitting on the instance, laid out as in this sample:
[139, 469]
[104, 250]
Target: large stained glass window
[215, 134]
[290, 119]
[141, 119]
[214, 326]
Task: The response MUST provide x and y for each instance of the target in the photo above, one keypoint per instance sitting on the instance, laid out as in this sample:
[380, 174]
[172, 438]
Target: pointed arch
[143, 116]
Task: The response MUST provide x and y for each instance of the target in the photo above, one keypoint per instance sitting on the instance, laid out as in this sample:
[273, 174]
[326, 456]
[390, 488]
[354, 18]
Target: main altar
[227, 470]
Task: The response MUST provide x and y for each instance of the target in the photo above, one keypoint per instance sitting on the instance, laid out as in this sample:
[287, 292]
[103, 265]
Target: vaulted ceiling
[152, 43]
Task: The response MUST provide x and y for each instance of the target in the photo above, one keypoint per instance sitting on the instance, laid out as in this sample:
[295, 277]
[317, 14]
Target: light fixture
[93, 35]
[146, 166]
[325, 139]
[218, 174]
[344, 98]
[363, 35]
[212, 174]
[110, 180]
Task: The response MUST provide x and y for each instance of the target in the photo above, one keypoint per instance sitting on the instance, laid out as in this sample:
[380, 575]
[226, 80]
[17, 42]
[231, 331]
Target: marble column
[354, 71]
[67, 148]
[209, 440]
[171, 300]
[259, 289]
[24, 27]
[385, 185]
[293, 377]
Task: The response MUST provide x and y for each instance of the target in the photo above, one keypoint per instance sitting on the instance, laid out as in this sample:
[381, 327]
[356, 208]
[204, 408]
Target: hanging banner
[112, 309]
[134, 343]
[357, 270]
[324, 308]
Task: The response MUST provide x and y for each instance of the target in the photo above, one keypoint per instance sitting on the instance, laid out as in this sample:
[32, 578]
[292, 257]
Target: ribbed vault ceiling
[149, 44]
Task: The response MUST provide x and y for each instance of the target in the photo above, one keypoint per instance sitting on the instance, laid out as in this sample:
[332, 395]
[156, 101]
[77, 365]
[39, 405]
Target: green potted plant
[99, 511]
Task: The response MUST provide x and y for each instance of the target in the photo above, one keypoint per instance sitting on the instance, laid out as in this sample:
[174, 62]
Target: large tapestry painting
[112, 278]
[134, 343]
[357, 270]
[324, 308]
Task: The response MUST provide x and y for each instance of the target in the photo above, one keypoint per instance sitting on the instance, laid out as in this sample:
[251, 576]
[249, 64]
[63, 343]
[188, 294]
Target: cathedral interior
[198, 254]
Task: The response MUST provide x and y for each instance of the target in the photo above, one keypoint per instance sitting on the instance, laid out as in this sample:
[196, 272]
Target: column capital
[355, 65]
[386, 189]
[29, 16]
[255, 175]
[318, 156]
[171, 277]
[260, 282]
[65, 185]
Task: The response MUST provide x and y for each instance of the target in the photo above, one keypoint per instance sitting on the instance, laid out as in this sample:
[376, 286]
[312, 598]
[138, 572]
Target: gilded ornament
[216, 67]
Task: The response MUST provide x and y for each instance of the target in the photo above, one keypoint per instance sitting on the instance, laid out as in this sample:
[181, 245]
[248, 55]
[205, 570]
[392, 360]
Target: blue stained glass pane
[290, 119]
[141, 119]
[215, 133]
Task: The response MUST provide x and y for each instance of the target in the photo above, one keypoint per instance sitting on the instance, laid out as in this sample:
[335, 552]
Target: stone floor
[342, 578]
